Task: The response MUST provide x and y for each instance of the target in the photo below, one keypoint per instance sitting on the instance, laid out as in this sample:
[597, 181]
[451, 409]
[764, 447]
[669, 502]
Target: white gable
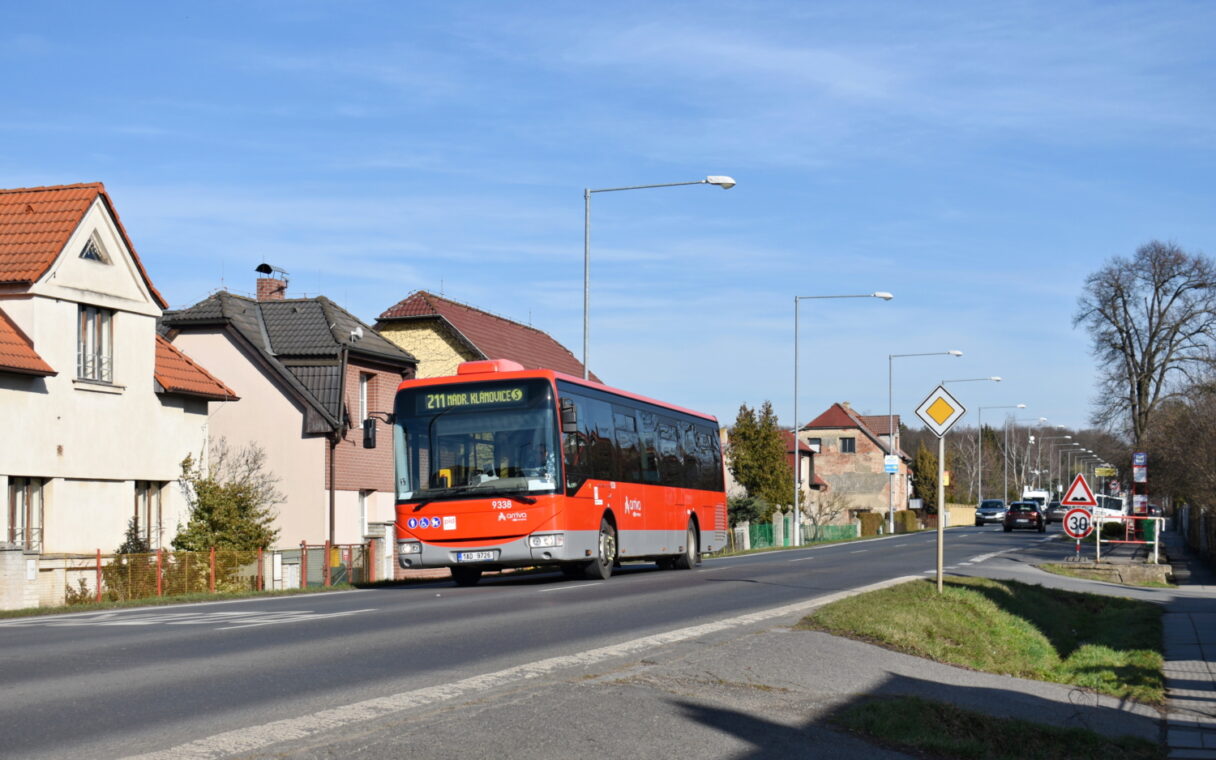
[105, 275]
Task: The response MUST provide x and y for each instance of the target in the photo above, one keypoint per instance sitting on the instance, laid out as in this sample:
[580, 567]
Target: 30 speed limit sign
[1078, 523]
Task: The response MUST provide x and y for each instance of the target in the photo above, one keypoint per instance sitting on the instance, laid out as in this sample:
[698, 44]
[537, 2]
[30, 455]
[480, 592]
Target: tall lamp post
[723, 182]
[992, 379]
[1063, 459]
[979, 448]
[796, 530]
[891, 447]
[1050, 448]
[1015, 420]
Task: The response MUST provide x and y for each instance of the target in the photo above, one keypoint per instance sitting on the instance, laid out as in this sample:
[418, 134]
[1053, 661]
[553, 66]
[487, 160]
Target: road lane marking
[224, 621]
[568, 587]
[253, 738]
[801, 559]
[859, 551]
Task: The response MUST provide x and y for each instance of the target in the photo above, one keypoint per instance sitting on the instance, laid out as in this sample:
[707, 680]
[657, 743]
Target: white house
[99, 411]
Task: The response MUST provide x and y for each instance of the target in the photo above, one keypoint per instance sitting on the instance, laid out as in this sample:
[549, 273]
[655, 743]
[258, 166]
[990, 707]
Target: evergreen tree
[924, 466]
[758, 456]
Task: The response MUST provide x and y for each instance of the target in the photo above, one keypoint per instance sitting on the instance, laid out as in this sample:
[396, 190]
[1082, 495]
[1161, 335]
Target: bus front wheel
[600, 568]
[692, 550]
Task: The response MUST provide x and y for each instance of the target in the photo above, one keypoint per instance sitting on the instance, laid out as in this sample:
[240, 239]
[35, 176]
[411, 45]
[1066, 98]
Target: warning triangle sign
[1078, 494]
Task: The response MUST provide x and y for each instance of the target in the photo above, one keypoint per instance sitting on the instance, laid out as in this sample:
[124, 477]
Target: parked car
[990, 511]
[1056, 512]
[1024, 514]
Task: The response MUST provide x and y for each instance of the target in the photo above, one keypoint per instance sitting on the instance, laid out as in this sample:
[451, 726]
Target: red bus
[500, 467]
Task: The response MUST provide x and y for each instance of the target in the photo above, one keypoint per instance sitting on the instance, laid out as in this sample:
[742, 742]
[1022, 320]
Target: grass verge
[941, 730]
[1108, 644]
[160, 601]
[1094, 575]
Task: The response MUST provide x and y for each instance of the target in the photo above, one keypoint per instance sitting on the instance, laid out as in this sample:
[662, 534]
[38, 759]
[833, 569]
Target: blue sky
[977, 160]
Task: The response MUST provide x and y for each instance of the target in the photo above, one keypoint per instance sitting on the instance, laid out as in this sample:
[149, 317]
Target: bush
[906, 521]
[871, 522]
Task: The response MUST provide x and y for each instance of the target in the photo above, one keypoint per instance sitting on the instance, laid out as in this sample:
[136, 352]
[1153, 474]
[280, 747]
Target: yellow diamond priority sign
[940, 411]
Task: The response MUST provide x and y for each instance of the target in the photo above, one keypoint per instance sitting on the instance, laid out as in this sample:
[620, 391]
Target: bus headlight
[546, 540]
[409, 547]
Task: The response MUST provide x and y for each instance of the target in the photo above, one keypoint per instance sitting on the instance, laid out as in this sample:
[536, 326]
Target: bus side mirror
[569, 416]
[369, 433]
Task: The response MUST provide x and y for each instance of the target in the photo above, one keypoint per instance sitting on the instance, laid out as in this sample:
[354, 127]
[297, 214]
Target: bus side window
[671, 461]
[692, 461]
[595, 419]
[576, 449]
[649, 436]
[628, 445]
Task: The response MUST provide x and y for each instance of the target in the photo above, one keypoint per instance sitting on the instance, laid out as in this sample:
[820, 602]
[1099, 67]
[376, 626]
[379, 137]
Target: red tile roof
[178, 373]
[492, 336]
[842, 416]
[835, 417]
[17, 352]
[879, 423]
[788, 437]
[36, 222]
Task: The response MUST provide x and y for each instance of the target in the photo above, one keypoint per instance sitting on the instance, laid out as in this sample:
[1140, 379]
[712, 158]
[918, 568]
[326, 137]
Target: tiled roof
[879, 423]
[36, 222]
[17, 352]
[834, 417]
[178, 373]
[300, 338]
[842, 416]
[788, 437]
[491, 336]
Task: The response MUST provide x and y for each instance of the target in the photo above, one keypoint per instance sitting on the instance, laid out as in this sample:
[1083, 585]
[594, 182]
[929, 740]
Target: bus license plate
[475, 556]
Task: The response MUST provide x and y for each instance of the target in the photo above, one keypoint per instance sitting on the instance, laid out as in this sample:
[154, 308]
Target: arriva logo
[512, 516]
[633, 507]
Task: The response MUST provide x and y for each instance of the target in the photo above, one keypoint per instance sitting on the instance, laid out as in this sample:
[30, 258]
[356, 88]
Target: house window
[95, 344]
[816, 444]
[848, 445]
[363, 496]
[94, 251]
[148, 511]
[25, 512]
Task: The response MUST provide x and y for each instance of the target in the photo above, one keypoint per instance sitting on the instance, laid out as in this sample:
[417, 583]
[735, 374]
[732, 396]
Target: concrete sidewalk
[1190, 655]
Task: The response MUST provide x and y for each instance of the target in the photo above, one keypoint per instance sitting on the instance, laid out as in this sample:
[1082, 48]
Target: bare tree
[827, 508]
[1152, 320]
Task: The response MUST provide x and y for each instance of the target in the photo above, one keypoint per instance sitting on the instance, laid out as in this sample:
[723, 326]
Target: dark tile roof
[17, 352]
[36, 222]
[178, 373]
[301, 339]
[879, 423]
[491, 336]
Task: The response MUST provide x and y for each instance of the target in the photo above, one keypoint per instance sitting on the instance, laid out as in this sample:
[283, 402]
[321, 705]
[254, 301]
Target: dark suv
[990, 511]
[1025, 514]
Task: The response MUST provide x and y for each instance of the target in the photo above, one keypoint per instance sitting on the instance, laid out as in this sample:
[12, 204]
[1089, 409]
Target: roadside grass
[937, 729]
[1092, 575]
[1107, 644]
[161, 601]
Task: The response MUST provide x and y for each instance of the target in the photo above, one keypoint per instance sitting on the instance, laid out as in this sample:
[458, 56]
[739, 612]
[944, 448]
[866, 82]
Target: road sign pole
[941, 506]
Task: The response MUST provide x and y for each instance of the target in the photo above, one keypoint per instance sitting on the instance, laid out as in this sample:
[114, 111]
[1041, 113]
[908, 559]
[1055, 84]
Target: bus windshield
[476, 439]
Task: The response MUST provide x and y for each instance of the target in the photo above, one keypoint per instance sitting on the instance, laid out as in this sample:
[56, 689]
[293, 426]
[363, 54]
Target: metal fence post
[160, 554]
[99, 575]
[303, 564]
[212, 582]
[369, 561]
[260, 584]
[328, 562]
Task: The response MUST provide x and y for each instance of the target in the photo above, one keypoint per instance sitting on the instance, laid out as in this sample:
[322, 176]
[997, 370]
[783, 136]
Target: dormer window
[94, 251]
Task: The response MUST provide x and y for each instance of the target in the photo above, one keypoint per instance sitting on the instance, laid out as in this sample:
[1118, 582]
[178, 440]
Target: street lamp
[979, 449]
[723, 182]
[1064, 455]
[796, 530]
[891, 447]
[1008, 419]
[1049, 448]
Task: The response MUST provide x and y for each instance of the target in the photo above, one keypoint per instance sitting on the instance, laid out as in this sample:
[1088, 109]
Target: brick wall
[860, 475]
[360, 469]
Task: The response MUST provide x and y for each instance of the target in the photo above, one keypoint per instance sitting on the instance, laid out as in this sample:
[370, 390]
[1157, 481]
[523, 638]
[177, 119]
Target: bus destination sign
[472, 399]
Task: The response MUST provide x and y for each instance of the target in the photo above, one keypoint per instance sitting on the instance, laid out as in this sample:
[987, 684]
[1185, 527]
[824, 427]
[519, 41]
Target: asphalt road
[338, 674]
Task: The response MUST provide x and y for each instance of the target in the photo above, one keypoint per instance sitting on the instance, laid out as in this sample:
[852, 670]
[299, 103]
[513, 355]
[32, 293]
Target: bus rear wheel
[692, 550]
[466, 576]
[600, 568]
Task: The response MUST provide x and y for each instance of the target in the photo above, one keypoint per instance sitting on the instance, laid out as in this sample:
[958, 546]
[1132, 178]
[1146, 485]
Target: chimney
[270, 287]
